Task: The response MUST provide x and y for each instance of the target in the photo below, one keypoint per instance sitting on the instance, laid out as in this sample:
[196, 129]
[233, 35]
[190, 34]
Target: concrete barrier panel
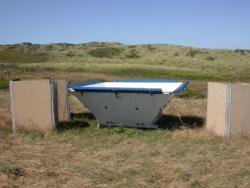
[240, 112]
[32, 105]
[216, 107]
[62, 101]
[38, 104]
[228, 108]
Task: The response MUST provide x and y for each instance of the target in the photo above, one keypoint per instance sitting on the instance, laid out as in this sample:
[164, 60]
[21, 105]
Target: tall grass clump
[4, 84]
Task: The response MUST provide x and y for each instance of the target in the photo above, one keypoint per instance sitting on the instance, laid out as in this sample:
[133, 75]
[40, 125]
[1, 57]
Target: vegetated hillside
[155, 61]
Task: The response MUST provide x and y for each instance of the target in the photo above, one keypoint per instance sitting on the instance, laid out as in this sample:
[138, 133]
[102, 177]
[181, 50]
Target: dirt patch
[3, 180]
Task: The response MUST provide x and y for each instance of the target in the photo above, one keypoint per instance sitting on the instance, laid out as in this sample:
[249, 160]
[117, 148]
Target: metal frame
[228, 109]
[53, 107]
[83, 87]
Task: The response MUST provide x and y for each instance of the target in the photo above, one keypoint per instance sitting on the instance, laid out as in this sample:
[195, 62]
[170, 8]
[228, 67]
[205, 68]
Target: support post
[12, 111]
[228, 109]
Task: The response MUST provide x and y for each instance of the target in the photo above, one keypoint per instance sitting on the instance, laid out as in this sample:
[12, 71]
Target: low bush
[210, 58]
[27, 43]
[193, 52]
[133, 54]
[4, 84]
[107, 52]
[11, 169]
[241, 51]
[70, 54]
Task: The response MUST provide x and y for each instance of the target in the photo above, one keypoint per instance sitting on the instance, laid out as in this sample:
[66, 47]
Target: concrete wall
[38, 104]
[216, 107]
[31, 105]
[240, 112]
[228, 108]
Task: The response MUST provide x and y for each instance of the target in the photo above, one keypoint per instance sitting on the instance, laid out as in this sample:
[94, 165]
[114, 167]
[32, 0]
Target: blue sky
[198, 23]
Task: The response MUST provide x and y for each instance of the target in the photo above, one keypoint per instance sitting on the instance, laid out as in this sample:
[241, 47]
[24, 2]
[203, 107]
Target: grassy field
[179, 154]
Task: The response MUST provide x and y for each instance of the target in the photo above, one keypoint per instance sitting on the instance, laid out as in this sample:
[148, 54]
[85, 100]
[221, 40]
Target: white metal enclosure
[130, 103]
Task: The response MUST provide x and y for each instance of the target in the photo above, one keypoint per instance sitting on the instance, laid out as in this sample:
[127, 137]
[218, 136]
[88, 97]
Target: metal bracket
[228, 109]
[117, 95]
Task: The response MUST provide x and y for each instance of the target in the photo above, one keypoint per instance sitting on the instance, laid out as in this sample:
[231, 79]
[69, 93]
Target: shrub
[133, 54]
[27, 43]
[210, 58]
[70, 54]
[11, 169]
[94, 44]
[150, 47]
[108, 52]
[193, 52]
[241, 51]
[176, 54]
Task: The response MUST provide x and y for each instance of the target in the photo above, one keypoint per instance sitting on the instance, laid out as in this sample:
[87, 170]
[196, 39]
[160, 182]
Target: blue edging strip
[116, 90]
[181, 87]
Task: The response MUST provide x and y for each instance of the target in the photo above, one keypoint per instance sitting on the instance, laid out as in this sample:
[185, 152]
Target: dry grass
[90, 157]
[80, 155]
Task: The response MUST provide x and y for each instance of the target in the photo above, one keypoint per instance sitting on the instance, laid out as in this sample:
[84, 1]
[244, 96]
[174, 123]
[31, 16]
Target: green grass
[11, 169]
[134, 70]
[191, 93]
[4, 84]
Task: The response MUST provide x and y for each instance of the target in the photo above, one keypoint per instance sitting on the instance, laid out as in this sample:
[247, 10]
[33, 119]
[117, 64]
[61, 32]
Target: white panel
[166, 87]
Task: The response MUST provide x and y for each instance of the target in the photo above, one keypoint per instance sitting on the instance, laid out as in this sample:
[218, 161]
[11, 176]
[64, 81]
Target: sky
[197, 23]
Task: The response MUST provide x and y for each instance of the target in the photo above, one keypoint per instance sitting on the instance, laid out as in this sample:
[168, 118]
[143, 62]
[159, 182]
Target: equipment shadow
[171, 122]
[73, 124]
[176, 122]
[81, 116]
